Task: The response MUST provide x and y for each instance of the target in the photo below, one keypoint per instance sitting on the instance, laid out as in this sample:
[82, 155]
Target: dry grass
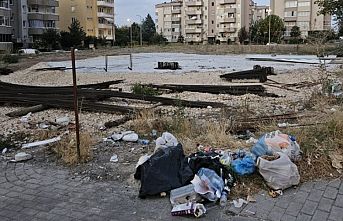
[189, 131]
[67, 152]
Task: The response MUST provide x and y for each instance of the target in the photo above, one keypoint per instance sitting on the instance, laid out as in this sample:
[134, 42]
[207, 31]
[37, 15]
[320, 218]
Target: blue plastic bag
[208, 184]
[244, 166]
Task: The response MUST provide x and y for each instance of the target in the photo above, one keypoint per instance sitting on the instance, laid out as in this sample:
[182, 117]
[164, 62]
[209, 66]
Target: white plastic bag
[277, 142]
[280, 173]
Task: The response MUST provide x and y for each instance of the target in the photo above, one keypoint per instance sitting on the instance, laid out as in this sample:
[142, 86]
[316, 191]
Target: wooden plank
[26, 110]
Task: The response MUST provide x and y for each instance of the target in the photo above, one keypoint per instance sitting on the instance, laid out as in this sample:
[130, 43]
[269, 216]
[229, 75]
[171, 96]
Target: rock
[114, 158]
[22, 156]
[132, 137]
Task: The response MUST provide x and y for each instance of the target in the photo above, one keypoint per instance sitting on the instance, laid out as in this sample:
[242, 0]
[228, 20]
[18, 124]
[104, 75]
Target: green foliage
[50, 39]
[158, 39]
[148, 29]
[122, 36]
[91, 40]
[180, 39]
[10, 59]
[75, 37]
[260, 30]
[295, 32]
[243, 35]
[333, 7]
[340, 29]
[143, 90]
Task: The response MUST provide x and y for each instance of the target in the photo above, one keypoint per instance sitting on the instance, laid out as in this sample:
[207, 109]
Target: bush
[10, 59]
[143, 90]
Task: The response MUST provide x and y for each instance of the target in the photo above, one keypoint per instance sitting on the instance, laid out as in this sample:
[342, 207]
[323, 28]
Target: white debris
[25, 119]
[22, 156]
[114, 158]
[239, 203]
[41, 143]
[64, 121]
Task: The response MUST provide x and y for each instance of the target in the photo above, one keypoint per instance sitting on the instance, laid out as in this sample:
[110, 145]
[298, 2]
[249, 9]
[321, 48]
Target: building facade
[30, 18]
[301, 13]
[205, 21]
[5, 26]
[96, 17]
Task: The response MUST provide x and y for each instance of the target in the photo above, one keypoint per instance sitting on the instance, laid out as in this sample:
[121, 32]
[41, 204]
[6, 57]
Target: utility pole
[140, 30]
[270, 18]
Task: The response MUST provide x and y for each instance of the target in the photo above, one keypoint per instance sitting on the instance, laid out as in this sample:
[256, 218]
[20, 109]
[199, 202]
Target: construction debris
[41, 143]
[168, 65]
[257, 72]
[89, 96]
[257, 89]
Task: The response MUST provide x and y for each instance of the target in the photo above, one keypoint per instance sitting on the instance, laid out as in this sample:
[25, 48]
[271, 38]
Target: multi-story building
[95, 16]
[301, 13]
[259, 12]
[31, 18]
[5, 26]
[203, 20]
[169, 20]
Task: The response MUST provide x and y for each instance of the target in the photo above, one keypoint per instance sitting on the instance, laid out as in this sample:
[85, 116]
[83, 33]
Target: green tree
[340, 29]
[253, 32]
[158, 39]
[135, 32]
[180, 39]
[75, 37]
[277, 29]
[295, 32]
[243, 35]
[333, 7]
[148, 29]
[122, 36]
[50, 39]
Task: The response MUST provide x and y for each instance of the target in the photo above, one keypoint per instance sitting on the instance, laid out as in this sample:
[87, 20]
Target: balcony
[227, 20]
[176, 19]
[230, 10]
[227, 30]
[290, 18]
[4, 5]
[193, 30]
[105, 4]
[105, 26]
[176, 11]
[42, 16]
[104, 15]
[194, 22]
[175, 25]
[51, 3]
[224, 2]
[194, 3]
[193, 12]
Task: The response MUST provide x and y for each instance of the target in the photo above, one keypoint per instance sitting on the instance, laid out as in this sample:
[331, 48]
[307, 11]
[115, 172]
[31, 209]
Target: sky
[133, 9]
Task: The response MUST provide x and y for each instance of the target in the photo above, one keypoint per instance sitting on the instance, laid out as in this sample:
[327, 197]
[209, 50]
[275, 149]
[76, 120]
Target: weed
[66, 149]
[143, 90]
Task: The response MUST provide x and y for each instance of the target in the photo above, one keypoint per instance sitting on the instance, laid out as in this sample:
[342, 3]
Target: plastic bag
[280, 173]
[244, 166]
[208, 184]
[277, 142]
[166, 140]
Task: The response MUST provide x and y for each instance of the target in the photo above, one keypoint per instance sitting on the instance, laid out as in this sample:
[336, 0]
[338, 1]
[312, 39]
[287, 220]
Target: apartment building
[259, 12]
[169, 20]
[95, 16]
[30, 18]
[5, 25]
[203, 21]
[302, 13]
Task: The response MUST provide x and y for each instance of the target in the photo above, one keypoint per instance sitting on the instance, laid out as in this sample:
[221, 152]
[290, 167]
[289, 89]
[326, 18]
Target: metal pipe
[77, 125]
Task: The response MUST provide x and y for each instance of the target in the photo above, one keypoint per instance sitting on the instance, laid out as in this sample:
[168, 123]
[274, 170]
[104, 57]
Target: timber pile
[217, 89]
[89, 98]
[258, 72]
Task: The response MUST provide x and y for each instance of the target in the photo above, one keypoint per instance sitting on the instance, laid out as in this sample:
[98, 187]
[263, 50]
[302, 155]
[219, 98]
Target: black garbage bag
[167, 169]
[211, 160]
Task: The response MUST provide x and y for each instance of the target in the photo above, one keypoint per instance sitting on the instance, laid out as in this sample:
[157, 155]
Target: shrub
[10, 59]
[143, 90]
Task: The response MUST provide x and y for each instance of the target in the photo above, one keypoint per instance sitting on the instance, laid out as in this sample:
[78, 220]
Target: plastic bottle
[223, 199]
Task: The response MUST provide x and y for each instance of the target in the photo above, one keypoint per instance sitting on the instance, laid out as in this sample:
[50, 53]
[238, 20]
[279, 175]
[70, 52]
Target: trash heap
[209, 175]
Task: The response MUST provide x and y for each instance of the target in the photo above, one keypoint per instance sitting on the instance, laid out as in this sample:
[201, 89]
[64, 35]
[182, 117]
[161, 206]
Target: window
[303, 14]
[290, 14]
[289, 4]
[72, 9]
[304, 4]
[212, 22]
[212, 3]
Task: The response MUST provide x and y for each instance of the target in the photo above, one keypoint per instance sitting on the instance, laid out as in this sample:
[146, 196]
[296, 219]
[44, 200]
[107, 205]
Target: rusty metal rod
[76, 110]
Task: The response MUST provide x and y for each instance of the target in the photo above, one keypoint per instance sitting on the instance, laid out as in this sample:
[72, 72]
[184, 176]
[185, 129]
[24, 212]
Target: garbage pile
[209, 175]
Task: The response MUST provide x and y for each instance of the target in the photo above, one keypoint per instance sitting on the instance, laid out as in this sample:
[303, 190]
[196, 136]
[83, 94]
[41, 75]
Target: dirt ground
[100, 168]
